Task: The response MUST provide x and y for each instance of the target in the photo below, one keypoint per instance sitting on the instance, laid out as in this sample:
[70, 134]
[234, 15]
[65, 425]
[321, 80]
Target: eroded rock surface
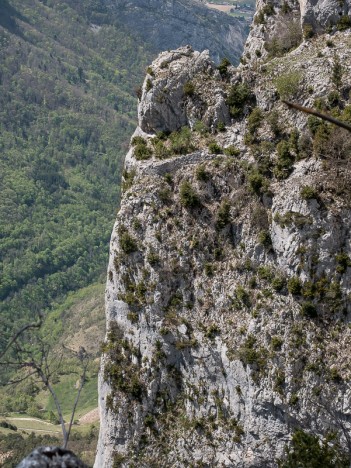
[229, 277]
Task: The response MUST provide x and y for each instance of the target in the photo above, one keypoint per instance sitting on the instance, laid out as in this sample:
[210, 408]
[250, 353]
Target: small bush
[153, 258]
[161, 151]
[265, 272]
[259, 18]
[274, 123]
[337, 72]
[138, 140]
[307, 450]
[294, 286]
[231, 151]
[212, 331]
[294, 399]
[256, 181]
[285, 9]
[285, 161]
[308, 193]
[201, 173]
[189, 88]
[278, 283]
[264, 238]
[223, 215]
[142, 152]
[223, 67]
[127, 243]
[344, 23]
[132, 317]
[221, 126]
[308, 31]
[149, 85]
[239, 96]
[276, 343]
[334, 98]
[128, 178]
[200, 127]
[209, 269]
[288, 84]
[243, 296]
[268, 9]
[181, 141]
[309, 310]
[214, 148]
[343, 261]
[188, 196]
[165, 195]
[254, 120]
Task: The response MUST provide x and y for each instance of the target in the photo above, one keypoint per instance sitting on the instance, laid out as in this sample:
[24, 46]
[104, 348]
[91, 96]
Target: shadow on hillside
[8, 16]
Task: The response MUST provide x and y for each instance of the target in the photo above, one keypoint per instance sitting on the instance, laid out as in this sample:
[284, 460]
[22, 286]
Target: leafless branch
[326, 117]
[19, 333]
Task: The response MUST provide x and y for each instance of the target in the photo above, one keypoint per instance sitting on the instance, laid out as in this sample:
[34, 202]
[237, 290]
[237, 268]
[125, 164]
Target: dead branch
[326, 117]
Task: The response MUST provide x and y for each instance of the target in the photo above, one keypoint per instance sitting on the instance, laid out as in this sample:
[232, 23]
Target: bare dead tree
[31, 356]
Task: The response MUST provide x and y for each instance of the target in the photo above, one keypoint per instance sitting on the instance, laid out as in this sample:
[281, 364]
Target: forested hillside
[67, 109]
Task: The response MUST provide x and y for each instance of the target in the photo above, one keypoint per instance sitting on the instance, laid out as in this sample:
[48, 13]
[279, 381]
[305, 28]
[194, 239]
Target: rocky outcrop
[171, 82]
[174, 23]
[279, 27]
[229, 276]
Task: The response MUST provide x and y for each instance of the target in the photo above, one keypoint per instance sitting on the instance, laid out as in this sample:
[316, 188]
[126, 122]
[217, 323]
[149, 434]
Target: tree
[29, 354]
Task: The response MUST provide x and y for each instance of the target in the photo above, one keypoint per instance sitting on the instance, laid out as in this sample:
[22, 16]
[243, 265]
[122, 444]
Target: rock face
[229, 278]
[280, 26]
[174, 23]
[169, 80]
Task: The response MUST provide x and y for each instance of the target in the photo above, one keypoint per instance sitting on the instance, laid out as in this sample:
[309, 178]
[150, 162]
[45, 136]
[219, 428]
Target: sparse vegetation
[294, 286]
[223, 67]
[189, 89]
[223, 215]
[239, 98]
[188, 195]
[201, 173]
[307, 450]
[288, 84]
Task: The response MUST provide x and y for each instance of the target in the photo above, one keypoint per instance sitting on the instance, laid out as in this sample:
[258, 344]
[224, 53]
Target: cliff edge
[229, 278]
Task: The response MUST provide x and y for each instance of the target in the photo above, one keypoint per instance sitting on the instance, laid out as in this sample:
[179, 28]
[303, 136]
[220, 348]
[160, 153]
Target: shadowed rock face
[174, 23]
[51, 457]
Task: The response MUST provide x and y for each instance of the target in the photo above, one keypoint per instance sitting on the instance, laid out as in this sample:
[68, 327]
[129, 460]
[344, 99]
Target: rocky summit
[229, 280]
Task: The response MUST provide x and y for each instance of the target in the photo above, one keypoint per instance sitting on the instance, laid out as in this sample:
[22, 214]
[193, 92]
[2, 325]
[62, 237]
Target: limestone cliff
[229, 277]
[279, 26]
[174, 23]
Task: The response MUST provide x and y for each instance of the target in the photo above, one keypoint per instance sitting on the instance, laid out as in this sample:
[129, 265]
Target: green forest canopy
[67, 110]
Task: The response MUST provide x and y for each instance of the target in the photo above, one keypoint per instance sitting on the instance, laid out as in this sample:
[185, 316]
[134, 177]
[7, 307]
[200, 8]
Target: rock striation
[229, 279]
[174, 23]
